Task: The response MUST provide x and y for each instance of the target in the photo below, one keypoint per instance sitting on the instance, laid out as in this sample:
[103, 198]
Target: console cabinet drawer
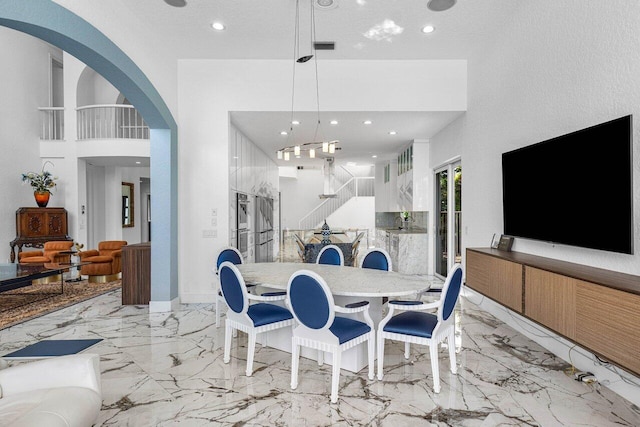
[550, 299]
[608, 322]
[498, 279]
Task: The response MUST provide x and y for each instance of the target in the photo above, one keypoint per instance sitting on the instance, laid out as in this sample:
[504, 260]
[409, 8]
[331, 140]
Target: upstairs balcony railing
[51, 123]
[111, 122]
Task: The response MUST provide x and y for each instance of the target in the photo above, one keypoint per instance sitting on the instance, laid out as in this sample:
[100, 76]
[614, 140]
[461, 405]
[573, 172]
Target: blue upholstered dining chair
[378, 259]
[252, 319]
[414, 326]
[311, 302]
[234, 256]
[330, 254]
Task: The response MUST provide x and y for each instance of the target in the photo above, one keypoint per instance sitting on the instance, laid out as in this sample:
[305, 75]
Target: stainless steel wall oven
[242, 223]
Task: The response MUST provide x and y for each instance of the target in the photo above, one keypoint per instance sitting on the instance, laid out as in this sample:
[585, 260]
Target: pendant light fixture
[316, 144]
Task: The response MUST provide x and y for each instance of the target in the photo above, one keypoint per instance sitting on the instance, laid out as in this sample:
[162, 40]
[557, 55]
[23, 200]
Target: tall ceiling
[361, 29]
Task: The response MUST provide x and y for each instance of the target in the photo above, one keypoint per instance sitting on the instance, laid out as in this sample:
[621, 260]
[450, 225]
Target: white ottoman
[61, 391]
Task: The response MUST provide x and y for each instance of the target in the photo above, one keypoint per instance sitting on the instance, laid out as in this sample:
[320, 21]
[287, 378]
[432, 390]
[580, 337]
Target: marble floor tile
[166, 369]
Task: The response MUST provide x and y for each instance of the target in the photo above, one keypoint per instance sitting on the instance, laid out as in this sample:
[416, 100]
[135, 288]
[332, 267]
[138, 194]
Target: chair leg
[227, 342]
[372, 346]
[335, 375]
[435, 368]
[380, 355]
[407, 350]
[295, 361]
[452, 351]
[217, 311]
[250, 353]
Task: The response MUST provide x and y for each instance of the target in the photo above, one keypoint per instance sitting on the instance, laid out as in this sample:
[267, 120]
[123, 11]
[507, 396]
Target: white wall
[95, 206]
[564, 66]
[24, 85]
[209, 89]
[535, 85]
[93, 89]
[300, 195]
[357, 212]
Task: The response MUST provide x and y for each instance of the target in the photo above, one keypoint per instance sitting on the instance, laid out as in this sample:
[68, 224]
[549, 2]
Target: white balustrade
[51, 123]
[111, 122]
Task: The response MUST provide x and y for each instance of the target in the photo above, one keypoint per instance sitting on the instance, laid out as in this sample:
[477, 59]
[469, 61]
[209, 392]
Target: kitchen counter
[407, 248]
[406, 230]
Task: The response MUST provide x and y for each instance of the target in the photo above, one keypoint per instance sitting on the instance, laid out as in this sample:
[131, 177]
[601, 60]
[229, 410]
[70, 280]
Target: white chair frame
[219, 298]
[444, 329]
[323, 339]
[242, 322]
[331, 247]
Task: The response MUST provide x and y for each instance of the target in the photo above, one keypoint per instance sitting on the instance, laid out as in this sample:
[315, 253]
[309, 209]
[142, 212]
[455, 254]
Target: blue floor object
[52, 348]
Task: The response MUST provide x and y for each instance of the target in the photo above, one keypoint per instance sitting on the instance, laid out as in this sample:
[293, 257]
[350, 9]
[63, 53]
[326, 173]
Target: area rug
[33, 301]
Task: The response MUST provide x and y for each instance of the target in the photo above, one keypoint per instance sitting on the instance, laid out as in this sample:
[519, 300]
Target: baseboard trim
[164, 306]
[198, 298]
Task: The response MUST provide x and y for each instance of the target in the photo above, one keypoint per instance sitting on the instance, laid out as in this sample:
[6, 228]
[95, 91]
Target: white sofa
[61, 391]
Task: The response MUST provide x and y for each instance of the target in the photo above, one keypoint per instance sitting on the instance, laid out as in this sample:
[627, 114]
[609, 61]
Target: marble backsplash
[417, 219]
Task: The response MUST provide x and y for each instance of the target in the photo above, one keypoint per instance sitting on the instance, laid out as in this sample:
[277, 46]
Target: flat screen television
[575, 189]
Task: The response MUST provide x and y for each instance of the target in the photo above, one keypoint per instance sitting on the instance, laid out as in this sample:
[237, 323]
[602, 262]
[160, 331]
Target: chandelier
[311, 148]
[316, 146]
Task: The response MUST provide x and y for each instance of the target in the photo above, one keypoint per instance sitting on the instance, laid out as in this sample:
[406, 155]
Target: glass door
[449, 217]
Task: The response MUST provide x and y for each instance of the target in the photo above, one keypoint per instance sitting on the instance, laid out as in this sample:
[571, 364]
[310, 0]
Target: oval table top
[343, 281]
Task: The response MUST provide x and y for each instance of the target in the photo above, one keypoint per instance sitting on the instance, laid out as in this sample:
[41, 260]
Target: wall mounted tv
[575, 189]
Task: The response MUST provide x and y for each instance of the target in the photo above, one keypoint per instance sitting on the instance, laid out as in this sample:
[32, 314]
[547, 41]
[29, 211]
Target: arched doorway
[58, 26]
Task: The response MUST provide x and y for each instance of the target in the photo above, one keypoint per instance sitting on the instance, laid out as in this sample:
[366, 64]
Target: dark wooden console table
[36, 226]
[136, 274]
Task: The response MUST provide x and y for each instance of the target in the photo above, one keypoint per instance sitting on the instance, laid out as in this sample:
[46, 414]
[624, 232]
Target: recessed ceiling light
[428, 29]
[326, 4]
[295, 122]
[217, 26]
[392, 132]
[137, 163]
[284, 132]
[367, 122]
[374, 157]
[334, 122]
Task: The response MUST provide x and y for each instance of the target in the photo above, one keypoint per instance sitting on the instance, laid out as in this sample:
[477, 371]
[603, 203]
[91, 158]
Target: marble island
[407, 248]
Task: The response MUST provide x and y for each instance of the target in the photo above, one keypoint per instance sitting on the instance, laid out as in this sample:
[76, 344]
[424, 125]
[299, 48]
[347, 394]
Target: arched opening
[56, 25]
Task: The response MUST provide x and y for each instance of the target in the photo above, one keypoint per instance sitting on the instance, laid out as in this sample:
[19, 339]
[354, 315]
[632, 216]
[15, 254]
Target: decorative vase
[326, 234]
[42, 198]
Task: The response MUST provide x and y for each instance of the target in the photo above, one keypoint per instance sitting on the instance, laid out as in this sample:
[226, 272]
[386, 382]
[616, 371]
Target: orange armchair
[50, 253]
[106, 261]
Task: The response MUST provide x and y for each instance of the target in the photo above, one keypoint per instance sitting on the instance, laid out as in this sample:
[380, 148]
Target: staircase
[350, 186]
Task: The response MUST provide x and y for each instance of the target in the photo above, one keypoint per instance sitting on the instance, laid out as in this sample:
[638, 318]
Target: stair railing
[354, 187]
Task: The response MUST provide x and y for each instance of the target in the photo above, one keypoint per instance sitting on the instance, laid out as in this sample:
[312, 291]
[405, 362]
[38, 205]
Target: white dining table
[348, 285]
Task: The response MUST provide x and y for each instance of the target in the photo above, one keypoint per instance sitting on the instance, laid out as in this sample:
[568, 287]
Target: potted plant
[42, 183]
[405, 216]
